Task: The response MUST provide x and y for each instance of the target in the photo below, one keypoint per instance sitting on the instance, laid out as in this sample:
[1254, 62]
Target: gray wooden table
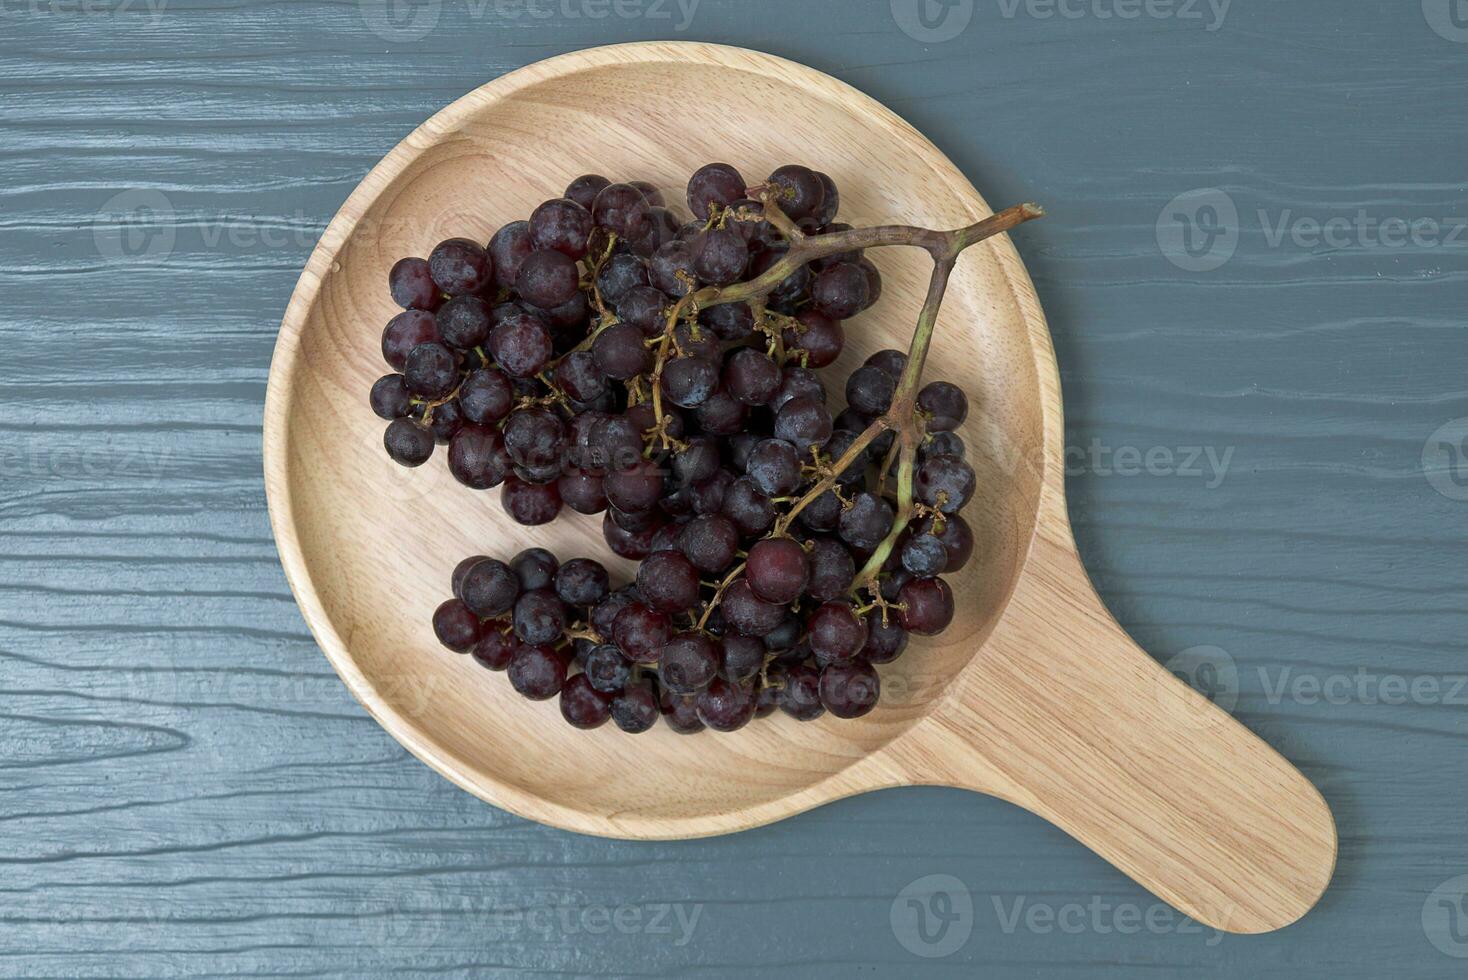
[1254, 270]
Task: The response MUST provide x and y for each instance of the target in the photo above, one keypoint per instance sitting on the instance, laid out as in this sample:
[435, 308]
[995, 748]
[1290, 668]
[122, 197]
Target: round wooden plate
[1035, 694]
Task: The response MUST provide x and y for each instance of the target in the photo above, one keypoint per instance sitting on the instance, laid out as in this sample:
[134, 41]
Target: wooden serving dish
[1035, 695]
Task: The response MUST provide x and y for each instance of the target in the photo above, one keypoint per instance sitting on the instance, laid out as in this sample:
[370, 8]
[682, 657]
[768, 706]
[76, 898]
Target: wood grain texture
[189, 790]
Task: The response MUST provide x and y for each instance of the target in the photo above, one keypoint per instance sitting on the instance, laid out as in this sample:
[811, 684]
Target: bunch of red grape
[562, 364]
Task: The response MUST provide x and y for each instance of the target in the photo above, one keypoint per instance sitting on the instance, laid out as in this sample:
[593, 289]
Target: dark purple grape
[830, 202]
[688, 664]
[927, 606]
[925, 556]
[750, 510]
[800, 193]
[463, 322]
[445, 420]
[456, 581]
[784, 637]
[620, 352]
[584, 189]
[891, 584]
[534, 437]
[490, 588]
[874, 281]
[747, 612]
[819, 338]
[509, 248]
[583, 492]
[867, 522]
[778, 570]
[729, 321]
[537, 672]
[645, 308]
[582, 582]
[774, 467]
[548, 278]
[635, 489]
[635, 709]
[721, 414]
[460, 267]
[671, 269]
[832, 569]
[869, 390]
[649, 191]
[741, 658]
[709, 542]
[604, 616]
[681, 713]
[666, 538]
[485, 396]
[850, 689]
[620, 273]
[432, 371]
[412, 287]
[562, 225]
[803, 422]
[721, 255]
[456, 627]
[698, 462]
[405, 332]
[885, 641]
[726, 707]
[740, 447]
[623, 210]
[521, 344]
[535, 568]
[823, 513]
[531, 504]
[798, 382]
[668, 581]
[752, 377]
[576, 374]
[641, 633]
[477, 457]
[890, 362]
[946, 405]
[582, 705]
[619, 440]
[800, 697]
[496, 649]
[714, 187]
[390, 398]
[957, 538]
[408, 443]
[942, 444]
[539, 617]
[841, 291]
[627, 544]
[690, 381]
[708, 496]
[945, 482]
[836, 632]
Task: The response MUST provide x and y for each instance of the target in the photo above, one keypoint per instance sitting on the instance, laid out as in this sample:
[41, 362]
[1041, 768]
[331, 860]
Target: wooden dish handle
[1063, 714]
